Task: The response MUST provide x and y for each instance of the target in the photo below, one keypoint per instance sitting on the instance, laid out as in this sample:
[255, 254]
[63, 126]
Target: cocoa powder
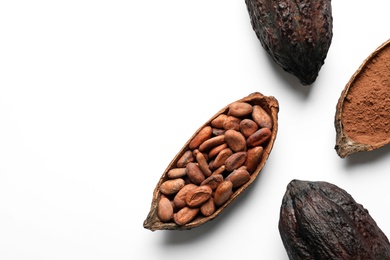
[366, 109]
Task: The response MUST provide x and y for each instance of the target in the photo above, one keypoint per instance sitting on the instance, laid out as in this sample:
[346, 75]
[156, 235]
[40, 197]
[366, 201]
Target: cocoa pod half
[319, 220]
[188, 210]
[362, 119]
[296, 34]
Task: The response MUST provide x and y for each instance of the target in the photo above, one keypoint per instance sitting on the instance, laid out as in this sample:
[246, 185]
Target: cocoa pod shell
[152, 222]
[297, 35]
[319, 220]
[357, 131]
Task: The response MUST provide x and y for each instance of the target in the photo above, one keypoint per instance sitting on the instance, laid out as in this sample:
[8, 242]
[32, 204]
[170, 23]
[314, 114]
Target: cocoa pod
[297, 35]
[319, 220]
[187, 214]
[362, 118]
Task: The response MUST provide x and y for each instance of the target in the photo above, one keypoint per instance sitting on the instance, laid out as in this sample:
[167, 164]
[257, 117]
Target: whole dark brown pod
[319, 220]
[297, 35]
[186, 215]
[362, 119]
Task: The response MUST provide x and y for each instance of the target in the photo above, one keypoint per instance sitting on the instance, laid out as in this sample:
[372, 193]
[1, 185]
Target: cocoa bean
[223, 193]
[240, 109]
[213, 181]
[176, 173]
[235, 140]
[208, 208]
[198, 196]
[253, 158]
[165, 209]
[218, 121]
[232, 122]
[238, 177]
[180, 198]
[202, 136]
[216, 150]
[171, 186]
[261, 117]
[184, 159]
[235, 161]
[185, 215]
[259, 137]
[203, 164]
[221, 158]
[194, 173]
[211, 143]
[248, 127]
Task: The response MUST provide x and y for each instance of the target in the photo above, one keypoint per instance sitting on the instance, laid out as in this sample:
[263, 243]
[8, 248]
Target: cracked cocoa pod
[217, 157]
[319, 220]
[297, 35]
[362, 119]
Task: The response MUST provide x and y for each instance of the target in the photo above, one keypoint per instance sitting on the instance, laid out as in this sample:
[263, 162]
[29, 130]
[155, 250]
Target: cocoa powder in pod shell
[296, 34]
[362, 119]
[319, 220]
[189, 216]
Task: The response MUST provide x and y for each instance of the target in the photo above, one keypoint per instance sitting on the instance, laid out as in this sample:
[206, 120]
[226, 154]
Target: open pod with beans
[221, 159]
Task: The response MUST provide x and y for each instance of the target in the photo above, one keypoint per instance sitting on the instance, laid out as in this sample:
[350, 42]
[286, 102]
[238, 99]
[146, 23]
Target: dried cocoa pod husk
[319, 220]
[297, 35]
[362, 119]
[152, 222]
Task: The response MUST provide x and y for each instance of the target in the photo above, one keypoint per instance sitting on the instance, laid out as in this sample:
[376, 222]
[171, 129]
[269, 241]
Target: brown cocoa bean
[180, 198]
[185, 215]
[223, 193]
[213, 181]
[198, 196]
[176, 173]
[248, 127]
[221, 158]
[194, 173]
[253, 158]
[220, 170]
[165, 209]
[203, 164]
[171, 186]
[202, 136]
[259, 137]
[218, 131]
[235, 161]
[261, 117]
[218, 121]
[235, 140]
[238, 177]
[232, 122]
[239, 109]
[211, 143]
[208, 208]
[184, 159]
[216, 150]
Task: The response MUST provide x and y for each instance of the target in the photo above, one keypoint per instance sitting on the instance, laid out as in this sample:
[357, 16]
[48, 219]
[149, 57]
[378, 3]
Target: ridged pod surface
[319, 220]
[297, 34]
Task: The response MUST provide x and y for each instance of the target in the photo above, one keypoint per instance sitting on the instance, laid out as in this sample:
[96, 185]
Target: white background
[96, 98]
